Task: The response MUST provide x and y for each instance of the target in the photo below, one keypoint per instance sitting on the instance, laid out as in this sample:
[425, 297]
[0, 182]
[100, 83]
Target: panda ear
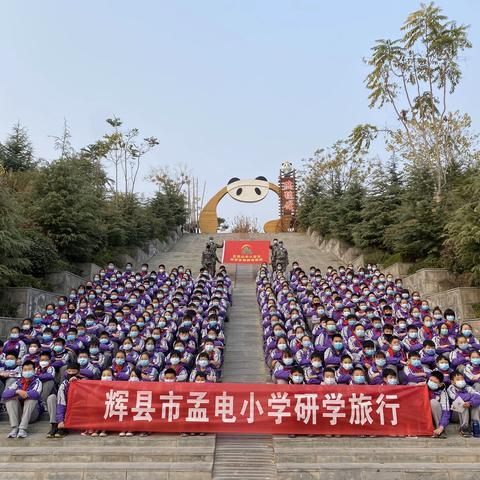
[234, 179]
[261, 178]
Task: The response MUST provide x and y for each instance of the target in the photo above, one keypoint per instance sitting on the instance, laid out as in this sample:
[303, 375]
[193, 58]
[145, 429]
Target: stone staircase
[172, 457]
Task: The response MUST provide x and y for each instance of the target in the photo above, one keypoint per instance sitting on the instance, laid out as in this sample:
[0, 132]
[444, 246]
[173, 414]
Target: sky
[231, 88]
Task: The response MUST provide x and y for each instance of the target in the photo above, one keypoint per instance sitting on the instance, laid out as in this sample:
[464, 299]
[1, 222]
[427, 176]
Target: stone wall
[460, 300]
[88, 270]
[63, 282]
[430, 280]
[28, 300]
[398, 269]
[6, 323]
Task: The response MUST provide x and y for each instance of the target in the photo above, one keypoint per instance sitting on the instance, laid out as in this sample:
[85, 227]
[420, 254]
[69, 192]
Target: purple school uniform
[441, 396]
[415, 374]
[32, 386]
[313, 376]
[459, 357]
[467, 394]
[45, 374]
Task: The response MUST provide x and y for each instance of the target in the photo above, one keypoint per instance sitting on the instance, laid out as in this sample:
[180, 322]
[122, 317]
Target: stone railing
[27, 300]
[63, 282]
[6, 323]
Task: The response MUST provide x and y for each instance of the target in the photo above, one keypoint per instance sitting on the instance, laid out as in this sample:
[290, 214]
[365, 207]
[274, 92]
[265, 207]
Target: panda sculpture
[246, 190]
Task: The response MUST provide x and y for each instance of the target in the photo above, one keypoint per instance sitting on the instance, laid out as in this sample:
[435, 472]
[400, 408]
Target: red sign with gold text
[246, 251]
[249, 408]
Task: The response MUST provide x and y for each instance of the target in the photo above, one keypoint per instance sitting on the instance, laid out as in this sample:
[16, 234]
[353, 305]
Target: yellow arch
[208, 220]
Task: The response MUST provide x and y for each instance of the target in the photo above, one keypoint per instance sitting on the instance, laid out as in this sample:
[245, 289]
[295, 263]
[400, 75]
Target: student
[23, 401]
[471, 404]
[358, 376]
[472, 370]
[313, 372]
[344, 372]
[329, 377]
[439, 403]
[460, 357]
[375, 372]
[296, 376]
[415, 372]
[389, 377]
[71, 373]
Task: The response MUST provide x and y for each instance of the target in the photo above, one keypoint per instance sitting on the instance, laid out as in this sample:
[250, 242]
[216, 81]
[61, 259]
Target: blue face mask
[475, 361]
[443, 366]
[82, 361]
[338, 345]
[143, 363]
[71, 338]
[416, 362]
[432, 385]
[57, 348]
[392, 381]
[10, 363]
[359, 379]
[94, 350]
[28, 374]
[463, 346]
[120, 361]
[381, 362]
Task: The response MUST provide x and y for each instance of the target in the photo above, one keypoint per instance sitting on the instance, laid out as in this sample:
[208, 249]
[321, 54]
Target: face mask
[297, 379]
[89, 323]
[359, 379]
[316, 364]
[82, 361]
[338, 345]
[280, 346]
[331, 328]
[432, 385]
[161, 324]
[396, 348]
[175, 361]
[444, 331]
[37, 320]
[467, 333]
[475, 360]
[14, 336]
[32, 350]
[428, 324]
[64, 321]
[416, 362]
[392, 381]
[28, 374]
[179, 349]
[463, 346]
[360, 333]
[460, 384]
[203, 363]
[107, 378]
[443, 366]
[57, 348]
[133, 379]
[43, 363]
[307, 343]
[156, 337]
[104, 341]
[127, 346]
[413, 334]
[120, 361]
[47, 338]
[347, 366]
[143, 363]
[10, 363]
[430, 351]
[450, 318]
[402, 326]
[71, 338]
[169, 380]
[369, 352]
[329, 381]
[150, 347]
[288, 361]
[133, 334]
[94, 350]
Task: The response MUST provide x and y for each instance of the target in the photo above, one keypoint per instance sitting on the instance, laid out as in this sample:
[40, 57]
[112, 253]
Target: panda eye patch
[258, 191]
[239, 191]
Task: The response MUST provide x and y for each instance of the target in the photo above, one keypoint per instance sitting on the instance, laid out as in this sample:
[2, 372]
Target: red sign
[249, 408]
[246, 251]
[288, 195]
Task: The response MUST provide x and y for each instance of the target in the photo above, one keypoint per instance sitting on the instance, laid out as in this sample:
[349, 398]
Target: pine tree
[17, 153]
[378, 208]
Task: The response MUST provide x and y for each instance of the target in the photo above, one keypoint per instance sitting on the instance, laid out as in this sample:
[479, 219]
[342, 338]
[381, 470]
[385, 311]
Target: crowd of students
[124, 325]
[360, 327]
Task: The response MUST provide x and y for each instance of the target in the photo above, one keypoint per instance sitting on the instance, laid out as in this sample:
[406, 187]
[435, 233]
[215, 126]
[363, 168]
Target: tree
[13, 244]
[381, 202]
[69, 203]
[244, 224]
[416, 231]
[16, 155]
[123, 149]
[416, 75]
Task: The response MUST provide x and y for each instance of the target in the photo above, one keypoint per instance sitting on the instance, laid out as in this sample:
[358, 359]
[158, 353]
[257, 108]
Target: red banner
[249, 408]
[246, 251]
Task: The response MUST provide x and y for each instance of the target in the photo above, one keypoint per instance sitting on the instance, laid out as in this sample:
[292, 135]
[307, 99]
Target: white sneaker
[121, 434]
[13, 433]
[129, 434]
[22, 434]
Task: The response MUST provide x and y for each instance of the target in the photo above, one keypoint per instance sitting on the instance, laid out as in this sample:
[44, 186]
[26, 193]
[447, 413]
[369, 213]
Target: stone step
[106, 471]
[376, 470]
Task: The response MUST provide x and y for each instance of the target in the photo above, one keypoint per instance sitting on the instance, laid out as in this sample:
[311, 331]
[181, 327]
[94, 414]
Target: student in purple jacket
[23, 401]
[471, 404]
[439, 403]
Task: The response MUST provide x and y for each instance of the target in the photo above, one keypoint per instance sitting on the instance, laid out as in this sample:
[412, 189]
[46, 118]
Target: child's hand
[438, 431]
[467, 405]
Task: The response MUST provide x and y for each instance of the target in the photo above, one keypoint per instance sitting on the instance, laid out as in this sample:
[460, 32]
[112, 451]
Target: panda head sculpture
[248, 191]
